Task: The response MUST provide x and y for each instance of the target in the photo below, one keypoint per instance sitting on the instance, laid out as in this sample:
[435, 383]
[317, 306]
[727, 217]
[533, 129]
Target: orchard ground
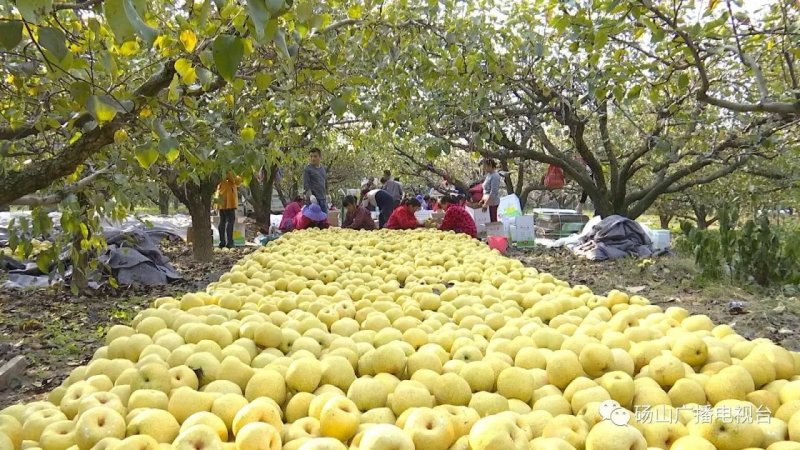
[57, 332]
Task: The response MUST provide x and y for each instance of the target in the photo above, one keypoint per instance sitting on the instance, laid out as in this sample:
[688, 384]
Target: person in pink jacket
[290, 212]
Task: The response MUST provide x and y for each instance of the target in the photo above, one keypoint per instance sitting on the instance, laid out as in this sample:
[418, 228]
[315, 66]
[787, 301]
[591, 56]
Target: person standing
[315, 180]
[357, 217]
[227, 202]
[378, 198]
[393, 187]
[491, 188]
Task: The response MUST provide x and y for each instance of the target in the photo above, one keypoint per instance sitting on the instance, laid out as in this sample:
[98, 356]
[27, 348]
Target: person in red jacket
[311, 217]
[456, 218]
[403, 217]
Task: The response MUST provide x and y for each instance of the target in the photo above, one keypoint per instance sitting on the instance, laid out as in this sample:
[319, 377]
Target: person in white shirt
[380, 199]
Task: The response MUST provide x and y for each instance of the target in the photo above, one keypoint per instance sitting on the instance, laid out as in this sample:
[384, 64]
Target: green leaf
[354, 11]
[54, 41]
[228, 52]
[339, 106]
[271, 29]
[44, 261]
[172, 155]
[118, 21]
[600, 39]
[165, 146]
[80, 91]
[146, 155]
[32, 10]
[330, 84]
[304, 11]
[147, 33]
[280, 43]
[619, 93]
[102, 108]
[275, 6]
[10, 34]
[173, 93]
[263, 80]
[635, 91]
[259, 15]
[683, 80]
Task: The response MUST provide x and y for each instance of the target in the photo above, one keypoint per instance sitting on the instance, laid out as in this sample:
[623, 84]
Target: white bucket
[661, 239]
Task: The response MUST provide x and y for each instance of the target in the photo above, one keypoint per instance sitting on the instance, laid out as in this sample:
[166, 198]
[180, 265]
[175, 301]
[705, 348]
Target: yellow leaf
[145, 112]
[128, 48]
[188, 39]
[161, 42]
[229, 100]
[248, 134]
[120, 136]
[248, 46]
[184, 68]
[101, 109]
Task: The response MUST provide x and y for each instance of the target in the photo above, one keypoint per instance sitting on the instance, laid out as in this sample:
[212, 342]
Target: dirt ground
[57, 332]
[673, 281]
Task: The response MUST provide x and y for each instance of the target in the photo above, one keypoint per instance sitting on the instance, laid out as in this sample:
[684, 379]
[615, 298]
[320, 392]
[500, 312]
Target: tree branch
[76, 6]
[33, 177]
[780, 108]
[57, 197]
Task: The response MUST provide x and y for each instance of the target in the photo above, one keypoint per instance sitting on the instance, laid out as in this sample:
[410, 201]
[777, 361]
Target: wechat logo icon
[612, 411]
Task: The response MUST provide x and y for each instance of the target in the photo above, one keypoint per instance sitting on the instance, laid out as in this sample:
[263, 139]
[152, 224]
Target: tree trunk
[203, 243]
[701, 215]
[197, 198]
[262, 198]
[664, 219]
[281, 195]
[163, 201]
[79, 281]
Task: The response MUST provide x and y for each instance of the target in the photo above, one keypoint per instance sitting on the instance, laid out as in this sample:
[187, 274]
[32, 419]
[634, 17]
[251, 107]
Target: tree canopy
[634, 99]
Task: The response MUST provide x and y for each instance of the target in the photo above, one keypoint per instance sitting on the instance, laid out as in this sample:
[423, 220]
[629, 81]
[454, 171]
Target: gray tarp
[132, 256]
[612, 238]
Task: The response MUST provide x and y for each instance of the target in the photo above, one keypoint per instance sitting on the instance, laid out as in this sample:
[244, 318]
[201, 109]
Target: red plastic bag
[476, 192]
[554, 178]
[499, 243]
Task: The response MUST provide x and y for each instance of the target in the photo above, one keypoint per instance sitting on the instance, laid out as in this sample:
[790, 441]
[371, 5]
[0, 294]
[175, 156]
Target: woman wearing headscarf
[311, 216]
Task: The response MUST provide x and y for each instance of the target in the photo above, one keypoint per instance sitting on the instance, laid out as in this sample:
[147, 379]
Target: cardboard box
[523, 237]
[496, 229]
[479, 215]
[335, 218]
[556, 223]
[524, 222]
